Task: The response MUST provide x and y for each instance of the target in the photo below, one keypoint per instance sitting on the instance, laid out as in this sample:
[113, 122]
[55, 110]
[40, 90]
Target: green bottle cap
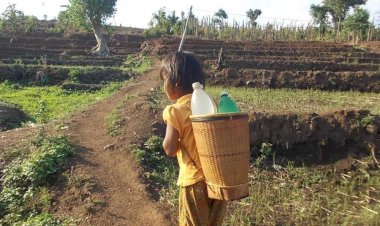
[223, 93]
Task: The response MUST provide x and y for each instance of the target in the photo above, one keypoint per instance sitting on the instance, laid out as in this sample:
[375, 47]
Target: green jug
[226, 104]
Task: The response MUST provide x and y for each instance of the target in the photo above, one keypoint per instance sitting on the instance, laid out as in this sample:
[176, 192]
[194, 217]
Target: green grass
[43, 104]
[298, 101]
[160, 171]
[137, 64]
[113, 121]
[114, 118]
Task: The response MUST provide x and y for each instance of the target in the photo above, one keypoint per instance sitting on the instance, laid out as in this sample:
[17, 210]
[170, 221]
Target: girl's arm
[170, 143]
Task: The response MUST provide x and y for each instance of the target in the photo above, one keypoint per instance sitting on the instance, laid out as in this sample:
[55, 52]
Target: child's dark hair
[183, 69]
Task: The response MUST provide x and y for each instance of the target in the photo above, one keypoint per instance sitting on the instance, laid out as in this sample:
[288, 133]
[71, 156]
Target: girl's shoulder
[177, 110]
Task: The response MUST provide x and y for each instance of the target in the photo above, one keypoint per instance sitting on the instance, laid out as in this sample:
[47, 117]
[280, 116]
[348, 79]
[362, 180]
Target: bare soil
[10, 117]
[364, 81]
[317, 138]
[373, 46]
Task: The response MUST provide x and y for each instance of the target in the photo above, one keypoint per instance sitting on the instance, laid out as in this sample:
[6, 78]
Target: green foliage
[358, 21]
[113, 121]
[368, 120]
[338, 9]
[138, 64]
[97, 11]
[23, 180]
[265, 152]
[71, 20]
[76, 72]
[219, 17]
[163, 23]
[30, 23]
[159, 169]
[83, 14]
[253, 15]
[266, 149]
[13, 20]
[46, 103]
[41, 116]
[319, 14]
[9, 86]
[41, 219]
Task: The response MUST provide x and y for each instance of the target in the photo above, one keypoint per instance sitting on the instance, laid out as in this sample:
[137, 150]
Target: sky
[139, 13]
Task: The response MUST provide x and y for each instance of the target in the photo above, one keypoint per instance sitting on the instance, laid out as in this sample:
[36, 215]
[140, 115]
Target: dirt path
[109, 191]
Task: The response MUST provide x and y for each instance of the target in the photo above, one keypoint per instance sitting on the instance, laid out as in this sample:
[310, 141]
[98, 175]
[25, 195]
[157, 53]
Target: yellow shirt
[177, 115]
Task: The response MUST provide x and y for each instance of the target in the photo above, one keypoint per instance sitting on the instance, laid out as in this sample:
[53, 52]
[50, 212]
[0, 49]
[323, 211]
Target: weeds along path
[104, 186]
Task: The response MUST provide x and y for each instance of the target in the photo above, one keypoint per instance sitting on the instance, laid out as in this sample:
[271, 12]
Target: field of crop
[313, 116]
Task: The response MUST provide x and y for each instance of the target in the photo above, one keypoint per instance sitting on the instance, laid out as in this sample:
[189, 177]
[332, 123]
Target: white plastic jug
[201, 102]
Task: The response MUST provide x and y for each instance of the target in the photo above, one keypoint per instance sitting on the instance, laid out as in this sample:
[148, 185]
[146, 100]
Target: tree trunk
[339, 22]
[101, 48]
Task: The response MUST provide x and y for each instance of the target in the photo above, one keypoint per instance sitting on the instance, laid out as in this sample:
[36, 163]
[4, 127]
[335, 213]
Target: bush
[159, 169]
[23, 180]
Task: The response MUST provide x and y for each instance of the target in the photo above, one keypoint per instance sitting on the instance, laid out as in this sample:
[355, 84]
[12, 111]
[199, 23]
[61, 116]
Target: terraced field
[294, 65]
[303, 65]
[56, 55]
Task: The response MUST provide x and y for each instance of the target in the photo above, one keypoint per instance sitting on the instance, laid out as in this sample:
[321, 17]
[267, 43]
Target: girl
[179, 71]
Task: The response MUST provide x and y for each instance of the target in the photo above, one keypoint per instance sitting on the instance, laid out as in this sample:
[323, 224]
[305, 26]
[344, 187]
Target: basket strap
[185, 152]
[183, 149]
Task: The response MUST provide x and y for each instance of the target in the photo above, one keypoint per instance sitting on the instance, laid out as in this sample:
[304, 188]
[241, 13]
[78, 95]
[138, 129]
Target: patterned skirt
[197, 209]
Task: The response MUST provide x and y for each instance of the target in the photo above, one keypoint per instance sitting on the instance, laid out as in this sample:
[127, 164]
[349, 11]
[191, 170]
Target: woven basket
[223, 145]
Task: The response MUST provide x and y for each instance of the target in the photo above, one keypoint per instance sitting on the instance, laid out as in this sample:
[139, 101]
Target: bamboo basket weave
[223, 145]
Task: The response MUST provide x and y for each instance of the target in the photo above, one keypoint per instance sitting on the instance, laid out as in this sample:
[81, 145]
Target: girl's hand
[170, 143]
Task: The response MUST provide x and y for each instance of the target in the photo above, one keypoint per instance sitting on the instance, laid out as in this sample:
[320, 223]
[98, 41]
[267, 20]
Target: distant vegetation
[163, 23]
[14, 21]
[336, 12]
[90, 14]
[332, 20]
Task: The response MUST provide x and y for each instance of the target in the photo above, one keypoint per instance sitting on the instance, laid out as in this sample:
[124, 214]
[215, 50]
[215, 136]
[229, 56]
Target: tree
[253, 15]
[161, 24]
[94, 12]
[320, 16]
[13, 20]
[357, 23]
[338, 10]
[219, 17]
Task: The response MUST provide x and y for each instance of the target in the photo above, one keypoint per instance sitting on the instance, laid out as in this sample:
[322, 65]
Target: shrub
[23, 180]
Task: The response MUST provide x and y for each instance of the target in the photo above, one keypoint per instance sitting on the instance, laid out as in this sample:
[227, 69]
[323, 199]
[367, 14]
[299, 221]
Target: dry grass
[291, 195]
